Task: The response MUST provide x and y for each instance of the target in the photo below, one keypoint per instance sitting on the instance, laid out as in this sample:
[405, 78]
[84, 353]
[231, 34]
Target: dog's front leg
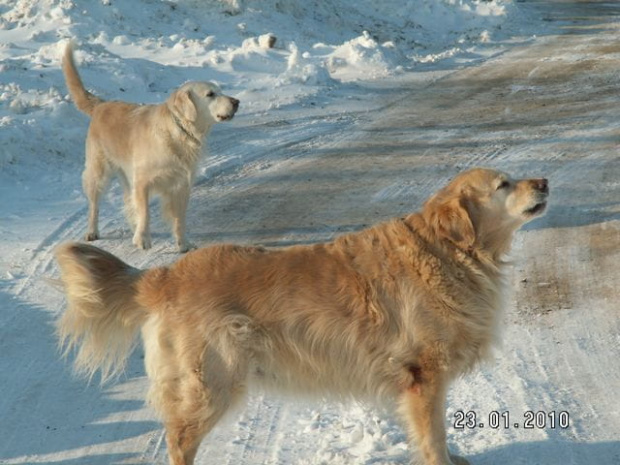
[93, 219]
[142, 235]
[176, 209]
[423, 407]
[128, 201]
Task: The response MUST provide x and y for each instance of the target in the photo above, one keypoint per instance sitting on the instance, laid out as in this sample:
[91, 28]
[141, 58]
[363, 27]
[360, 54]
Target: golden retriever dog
[151, 148]
[393, 312]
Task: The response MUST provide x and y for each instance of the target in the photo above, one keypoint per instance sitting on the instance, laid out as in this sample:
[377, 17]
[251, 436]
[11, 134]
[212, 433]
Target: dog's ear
[184, 105]
[452, 221]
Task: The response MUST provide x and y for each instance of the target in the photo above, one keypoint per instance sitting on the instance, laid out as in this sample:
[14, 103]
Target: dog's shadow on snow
[102, 459]
[551, 452]
[45, 408]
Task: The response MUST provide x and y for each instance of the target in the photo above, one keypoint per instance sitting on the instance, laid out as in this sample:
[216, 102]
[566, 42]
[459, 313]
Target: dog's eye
[503, 185]
[210, 93]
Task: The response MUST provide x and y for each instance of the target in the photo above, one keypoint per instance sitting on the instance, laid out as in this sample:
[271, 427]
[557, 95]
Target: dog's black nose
[542, 185]
[235, 103]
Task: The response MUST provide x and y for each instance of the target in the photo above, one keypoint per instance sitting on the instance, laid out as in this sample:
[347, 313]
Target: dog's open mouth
[225, 117]
[536, 209]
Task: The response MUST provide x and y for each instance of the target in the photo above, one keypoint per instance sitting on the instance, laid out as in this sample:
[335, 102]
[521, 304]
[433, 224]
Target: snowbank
[268, 53]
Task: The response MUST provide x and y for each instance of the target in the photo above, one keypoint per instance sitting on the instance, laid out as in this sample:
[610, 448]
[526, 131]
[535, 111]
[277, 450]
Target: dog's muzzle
[235, 106]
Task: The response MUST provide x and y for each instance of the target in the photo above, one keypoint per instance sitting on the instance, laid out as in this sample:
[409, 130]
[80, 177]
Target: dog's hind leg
[95, 179]
[185, 429]
[193, 384]
[194, 404]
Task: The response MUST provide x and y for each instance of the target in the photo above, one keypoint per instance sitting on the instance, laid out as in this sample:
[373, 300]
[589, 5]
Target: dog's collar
[184, 130]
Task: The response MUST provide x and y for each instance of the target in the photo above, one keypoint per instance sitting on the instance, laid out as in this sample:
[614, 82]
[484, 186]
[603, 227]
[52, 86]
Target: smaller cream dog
[151, 148]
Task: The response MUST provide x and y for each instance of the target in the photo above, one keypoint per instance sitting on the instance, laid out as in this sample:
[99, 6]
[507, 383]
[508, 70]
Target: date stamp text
[504, 420]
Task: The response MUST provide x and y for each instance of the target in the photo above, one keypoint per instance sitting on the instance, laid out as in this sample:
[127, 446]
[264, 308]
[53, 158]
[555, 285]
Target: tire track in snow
[42, 255]
[259, 426]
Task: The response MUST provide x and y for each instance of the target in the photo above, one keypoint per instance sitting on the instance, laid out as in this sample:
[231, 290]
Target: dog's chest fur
[445, 303]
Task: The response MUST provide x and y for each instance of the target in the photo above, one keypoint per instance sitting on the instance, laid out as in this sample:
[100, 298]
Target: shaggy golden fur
[392, 312]
[151, 148]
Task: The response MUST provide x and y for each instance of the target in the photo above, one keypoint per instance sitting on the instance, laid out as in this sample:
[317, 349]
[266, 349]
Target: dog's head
[482, 208]
[202, 104]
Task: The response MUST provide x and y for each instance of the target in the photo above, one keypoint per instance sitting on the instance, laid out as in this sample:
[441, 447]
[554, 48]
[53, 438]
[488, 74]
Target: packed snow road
[549, 106]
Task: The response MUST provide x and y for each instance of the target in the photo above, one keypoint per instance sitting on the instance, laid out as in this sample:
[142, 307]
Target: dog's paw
[185, 246]
[142, 241]
[91, 236]
[458, 460]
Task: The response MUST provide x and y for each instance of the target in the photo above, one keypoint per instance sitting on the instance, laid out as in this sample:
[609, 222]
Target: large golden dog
[394, 312]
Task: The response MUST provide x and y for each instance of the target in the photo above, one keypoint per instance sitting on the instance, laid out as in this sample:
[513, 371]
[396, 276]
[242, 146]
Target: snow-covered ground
[358, 113]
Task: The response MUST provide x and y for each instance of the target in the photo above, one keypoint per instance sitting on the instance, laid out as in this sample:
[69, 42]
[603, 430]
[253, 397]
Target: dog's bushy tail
[102, 317]
[84, 100]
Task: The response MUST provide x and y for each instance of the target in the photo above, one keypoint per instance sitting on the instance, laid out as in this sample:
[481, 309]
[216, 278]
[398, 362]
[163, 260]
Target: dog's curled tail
[84, 100]
[102, 317]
